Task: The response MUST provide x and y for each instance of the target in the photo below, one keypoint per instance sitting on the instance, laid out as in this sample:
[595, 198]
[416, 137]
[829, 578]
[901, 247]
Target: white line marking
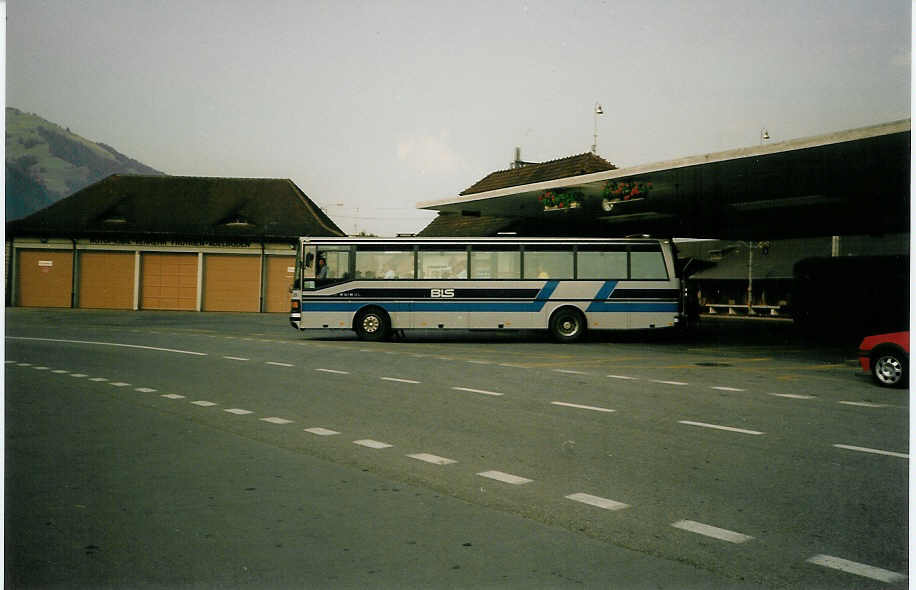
[512, 365]
[473, 362]
[238, 411]
[722, 388]
[23, 364]
[399, 380]
[203, 404]
[372, 444]
[863, 404]
[60, 371]
[793, 395]
[236, 358]
[41, 368]
[595, 408]
[275, 420]
[505, 477]
[321, 431]
[624, 377]
[98, 379]
[10, 362]
[434, 459]
[145, 389]
[334, 371]
[119, 384]
[173, 396]
[858, 569]
[483, 391]
[711, 531]
[597, 501]
[78, 375]
[667, 382]
[109, 344]
[873, 451]
[276, 364]
[571, 372]
[717, 427]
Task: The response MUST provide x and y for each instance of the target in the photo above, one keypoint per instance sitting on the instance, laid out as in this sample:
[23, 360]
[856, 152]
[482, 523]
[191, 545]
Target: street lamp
[598, 111]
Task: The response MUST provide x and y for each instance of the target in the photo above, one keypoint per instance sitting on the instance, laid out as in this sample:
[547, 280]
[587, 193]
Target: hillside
[46, 162]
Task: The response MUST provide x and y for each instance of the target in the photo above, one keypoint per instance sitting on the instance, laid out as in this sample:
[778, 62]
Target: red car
[887, 358]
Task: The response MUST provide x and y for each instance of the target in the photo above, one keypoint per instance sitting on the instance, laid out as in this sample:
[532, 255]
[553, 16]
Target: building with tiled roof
[521, 173]
[164, 242]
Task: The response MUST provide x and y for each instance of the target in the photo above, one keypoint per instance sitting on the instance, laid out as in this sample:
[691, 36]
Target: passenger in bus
[322, 268]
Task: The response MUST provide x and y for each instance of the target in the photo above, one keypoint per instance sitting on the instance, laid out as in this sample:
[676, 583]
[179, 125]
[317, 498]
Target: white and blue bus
[375, 286]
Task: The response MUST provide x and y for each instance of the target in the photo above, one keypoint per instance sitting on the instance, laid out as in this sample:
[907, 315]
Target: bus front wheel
[372, 324]
[567, 324]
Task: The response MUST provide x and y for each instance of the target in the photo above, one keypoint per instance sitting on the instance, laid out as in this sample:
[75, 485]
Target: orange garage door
[106, 280]
[169, 281]
[45, 278]
[279, 280]
[232, 283]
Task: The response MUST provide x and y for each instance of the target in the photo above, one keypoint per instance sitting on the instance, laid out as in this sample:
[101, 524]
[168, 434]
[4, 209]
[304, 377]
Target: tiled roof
[172, 206]
[449, 225]
[563, 168]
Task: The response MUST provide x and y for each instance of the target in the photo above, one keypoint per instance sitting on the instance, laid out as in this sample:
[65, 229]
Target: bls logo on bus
[441, 293]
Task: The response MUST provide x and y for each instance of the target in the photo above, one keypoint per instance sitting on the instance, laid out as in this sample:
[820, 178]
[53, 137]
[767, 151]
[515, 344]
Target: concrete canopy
[849, 182]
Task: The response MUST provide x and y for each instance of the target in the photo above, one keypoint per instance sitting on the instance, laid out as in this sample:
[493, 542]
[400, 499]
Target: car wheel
[372, 324]
[567, 325]
[889, 368]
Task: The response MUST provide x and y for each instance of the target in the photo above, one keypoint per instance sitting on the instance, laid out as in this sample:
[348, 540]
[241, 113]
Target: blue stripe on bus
[600, 305]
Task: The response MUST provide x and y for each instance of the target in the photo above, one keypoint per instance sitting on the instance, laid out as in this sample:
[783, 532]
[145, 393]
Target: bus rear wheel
[372, 324]
[567, 324]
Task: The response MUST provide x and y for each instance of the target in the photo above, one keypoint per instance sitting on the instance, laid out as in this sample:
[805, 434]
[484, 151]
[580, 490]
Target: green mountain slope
[46, 162]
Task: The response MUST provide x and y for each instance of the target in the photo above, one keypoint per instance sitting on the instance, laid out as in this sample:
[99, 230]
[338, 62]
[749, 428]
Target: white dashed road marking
[667, 382]
[624, 377]
[78, 375]
[858, 569]
[98, 379]
[399, 380]
[722, 388]
[863, 404]
[372, 444]
[60, 371]
[334, 371]
[238, 411]
[41, 368]
[434, 459]
[203, 404]
[482, 391]
[275, 420]
[23, 364]
[873, 451]
[597, 501]
[570, 372]
[145, 389]
[793, 395]
[276, 364]
[173, 396]
[236, 358]
[581, 407]
[119, 384]
[505, 477]
[321, 431]
[718, 427]
[711, 531]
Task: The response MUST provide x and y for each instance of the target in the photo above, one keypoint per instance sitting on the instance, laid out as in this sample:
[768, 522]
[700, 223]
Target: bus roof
[476, 240]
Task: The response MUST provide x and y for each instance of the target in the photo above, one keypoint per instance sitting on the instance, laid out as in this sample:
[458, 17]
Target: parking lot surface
[165, 449]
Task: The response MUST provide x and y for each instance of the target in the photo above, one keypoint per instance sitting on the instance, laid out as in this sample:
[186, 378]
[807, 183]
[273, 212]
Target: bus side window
[647, 263]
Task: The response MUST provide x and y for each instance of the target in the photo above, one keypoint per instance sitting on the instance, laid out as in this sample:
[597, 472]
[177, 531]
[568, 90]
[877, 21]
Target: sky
[372, 107]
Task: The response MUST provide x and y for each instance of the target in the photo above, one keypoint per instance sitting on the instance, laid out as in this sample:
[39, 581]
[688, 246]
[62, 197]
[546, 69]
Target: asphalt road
[227, 450]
